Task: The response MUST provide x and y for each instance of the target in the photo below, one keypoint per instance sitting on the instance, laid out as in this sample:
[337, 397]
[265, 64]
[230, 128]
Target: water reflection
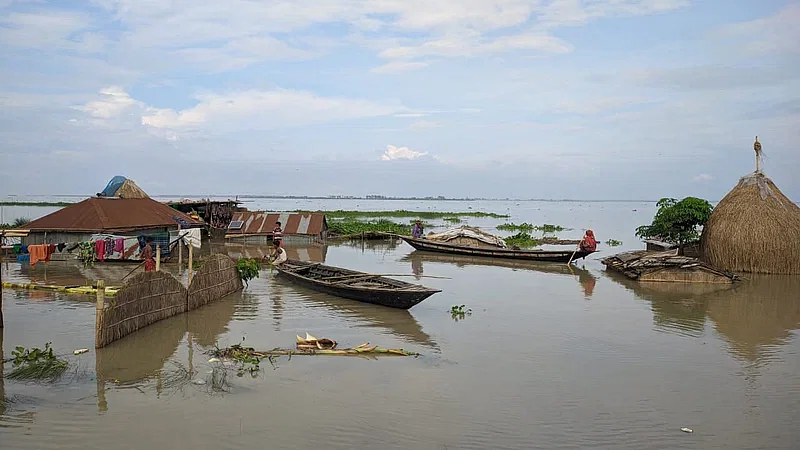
[397, 321]
[141, 356]
[310, 252]
[754, 316]
[584, 277]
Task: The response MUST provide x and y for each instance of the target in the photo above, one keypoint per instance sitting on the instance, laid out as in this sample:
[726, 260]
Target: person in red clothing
[147, 256]
[588, 243]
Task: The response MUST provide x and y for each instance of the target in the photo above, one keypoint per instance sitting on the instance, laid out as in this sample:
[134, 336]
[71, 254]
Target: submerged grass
[354, 226]
[522, 240]
[527, 227]
[402, 213]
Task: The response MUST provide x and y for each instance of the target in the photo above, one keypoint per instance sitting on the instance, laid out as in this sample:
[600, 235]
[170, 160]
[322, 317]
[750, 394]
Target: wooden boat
[559, 256]
[354, 285]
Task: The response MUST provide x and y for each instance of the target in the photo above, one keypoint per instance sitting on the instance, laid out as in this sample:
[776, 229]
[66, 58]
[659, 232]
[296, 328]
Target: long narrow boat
[354, 285]
[559, 256]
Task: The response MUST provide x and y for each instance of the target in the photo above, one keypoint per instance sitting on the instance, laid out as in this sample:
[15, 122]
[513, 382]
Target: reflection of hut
[257, 226]
[757, 314]
[665, 266]
[310, 253]
[754, 229]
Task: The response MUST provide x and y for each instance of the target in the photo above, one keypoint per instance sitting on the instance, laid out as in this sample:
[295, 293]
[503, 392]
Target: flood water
[550, 358]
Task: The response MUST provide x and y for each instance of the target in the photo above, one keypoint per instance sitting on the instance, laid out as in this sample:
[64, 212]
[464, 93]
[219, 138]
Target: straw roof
[754, 229]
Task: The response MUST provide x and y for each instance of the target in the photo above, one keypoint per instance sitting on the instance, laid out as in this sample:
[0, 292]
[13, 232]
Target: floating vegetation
[354, 226]
[36, 364]
[247, 269]
[452, 220]
[522, 240]
[457, 312]
[402, 213]
[528, 227]
[613, 243]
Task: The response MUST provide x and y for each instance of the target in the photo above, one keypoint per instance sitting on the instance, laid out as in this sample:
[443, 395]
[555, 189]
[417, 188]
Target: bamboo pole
[158, 257]
[98, 314]
[1, 293]
[191, 264]
[180, 250]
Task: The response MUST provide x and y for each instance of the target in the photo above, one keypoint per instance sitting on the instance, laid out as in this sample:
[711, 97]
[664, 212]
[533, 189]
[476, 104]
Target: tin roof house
[257, 226]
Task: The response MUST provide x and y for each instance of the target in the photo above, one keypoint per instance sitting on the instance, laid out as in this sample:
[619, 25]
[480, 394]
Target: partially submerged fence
[152, 296]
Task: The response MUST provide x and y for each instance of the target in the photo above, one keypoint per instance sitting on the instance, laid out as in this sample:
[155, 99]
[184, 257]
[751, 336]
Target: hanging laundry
[191, 237]
[61, 247]
[119, 245]
[38, 253]
[100, 249]
[24, 249]
[72, 247]
[109, 247]
[50, 250]
[142, 242]
[17, 248]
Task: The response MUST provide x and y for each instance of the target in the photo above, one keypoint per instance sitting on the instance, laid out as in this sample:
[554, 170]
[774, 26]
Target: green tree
[677, 222]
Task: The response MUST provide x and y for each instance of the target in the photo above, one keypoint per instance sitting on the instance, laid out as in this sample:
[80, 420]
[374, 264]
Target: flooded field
[551, 357]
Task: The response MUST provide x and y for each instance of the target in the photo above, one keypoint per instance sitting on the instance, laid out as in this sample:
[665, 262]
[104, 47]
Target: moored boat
[354, 285]
[558, 256]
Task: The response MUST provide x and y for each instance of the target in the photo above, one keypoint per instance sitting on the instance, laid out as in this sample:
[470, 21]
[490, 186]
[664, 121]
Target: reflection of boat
[397, 321]
[585, 278]
[355, 285]
[558, 256]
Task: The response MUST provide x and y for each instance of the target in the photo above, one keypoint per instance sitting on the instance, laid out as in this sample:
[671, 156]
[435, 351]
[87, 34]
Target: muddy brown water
[550, 358]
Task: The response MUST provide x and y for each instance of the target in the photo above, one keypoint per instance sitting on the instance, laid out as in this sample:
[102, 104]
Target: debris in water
[213, 360]
[687, 430]
[199, 382]
[80, 351]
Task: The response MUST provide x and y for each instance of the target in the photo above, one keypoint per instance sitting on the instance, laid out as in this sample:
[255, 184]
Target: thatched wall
[696, 274]
[754, 229]
[147, 298]
[152, 296]
[216, 279]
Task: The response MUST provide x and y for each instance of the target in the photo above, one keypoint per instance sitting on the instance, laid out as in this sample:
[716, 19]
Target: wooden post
[158, 257]
[1, 289]
[180, 250]
[191, 263]
[98, 314]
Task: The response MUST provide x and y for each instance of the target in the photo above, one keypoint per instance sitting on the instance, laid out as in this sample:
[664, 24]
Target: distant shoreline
[291, 197]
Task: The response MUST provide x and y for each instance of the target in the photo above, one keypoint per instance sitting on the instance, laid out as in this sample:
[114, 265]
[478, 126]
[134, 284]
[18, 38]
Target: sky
[579, 99]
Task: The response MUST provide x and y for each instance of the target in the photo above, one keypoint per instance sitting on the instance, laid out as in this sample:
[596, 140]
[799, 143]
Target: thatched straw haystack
[754, 229]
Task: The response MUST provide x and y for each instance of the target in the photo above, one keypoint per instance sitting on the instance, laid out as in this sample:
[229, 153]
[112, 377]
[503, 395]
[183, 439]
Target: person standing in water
[147, 255]
[277, 234]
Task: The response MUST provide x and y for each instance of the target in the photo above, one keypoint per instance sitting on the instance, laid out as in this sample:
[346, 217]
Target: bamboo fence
[152, 296]
[216, 279]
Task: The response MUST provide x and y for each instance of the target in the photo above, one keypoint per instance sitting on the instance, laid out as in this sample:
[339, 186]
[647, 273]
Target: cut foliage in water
[35, 364]
[457, 312]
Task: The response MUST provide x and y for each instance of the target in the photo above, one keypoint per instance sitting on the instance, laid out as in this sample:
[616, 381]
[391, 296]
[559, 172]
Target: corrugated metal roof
[110, 214]
[261, 222]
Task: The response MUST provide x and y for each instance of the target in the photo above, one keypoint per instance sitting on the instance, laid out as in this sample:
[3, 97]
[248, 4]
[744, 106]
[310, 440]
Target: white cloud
[703, 177]
[775, 34]
[472, 45]
[112, 103]
[256, 109]
[399, 66]
[424, 124]
[393, 153]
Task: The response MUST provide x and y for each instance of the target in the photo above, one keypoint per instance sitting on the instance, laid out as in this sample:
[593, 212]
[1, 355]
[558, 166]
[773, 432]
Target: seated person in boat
[588, 243]
[417, 230]
[278, 255]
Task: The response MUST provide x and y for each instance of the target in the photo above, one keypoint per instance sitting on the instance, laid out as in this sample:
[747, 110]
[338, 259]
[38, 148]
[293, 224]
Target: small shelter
[754, 229]
[257, 226]
[122, 187]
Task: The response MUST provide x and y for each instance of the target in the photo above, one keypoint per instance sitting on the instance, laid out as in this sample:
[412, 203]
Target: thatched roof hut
[754, 229]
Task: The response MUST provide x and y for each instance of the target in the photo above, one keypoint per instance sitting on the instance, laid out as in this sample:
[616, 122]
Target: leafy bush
[248, 269]
[677, 222]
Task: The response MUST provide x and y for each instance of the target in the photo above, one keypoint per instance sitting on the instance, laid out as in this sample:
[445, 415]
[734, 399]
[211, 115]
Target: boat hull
[401, 295]
[556, 256]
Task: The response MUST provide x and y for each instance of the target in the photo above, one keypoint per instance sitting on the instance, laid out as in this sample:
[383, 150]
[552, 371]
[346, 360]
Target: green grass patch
[528, 227]
[452, 220]
[522, 240]
[613, 243]
[402, 213]
[354, 226]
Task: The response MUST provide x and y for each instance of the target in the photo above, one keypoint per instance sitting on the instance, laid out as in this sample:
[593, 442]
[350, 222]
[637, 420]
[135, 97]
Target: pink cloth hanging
[100, 249]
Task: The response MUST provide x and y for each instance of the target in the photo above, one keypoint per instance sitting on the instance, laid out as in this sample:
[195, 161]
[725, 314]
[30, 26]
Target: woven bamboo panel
[216, 279]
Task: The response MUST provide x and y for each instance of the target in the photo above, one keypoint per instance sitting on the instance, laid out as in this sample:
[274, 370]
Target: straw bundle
[216, 279]
[129, 189]
[146, 298]
[755, 228]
